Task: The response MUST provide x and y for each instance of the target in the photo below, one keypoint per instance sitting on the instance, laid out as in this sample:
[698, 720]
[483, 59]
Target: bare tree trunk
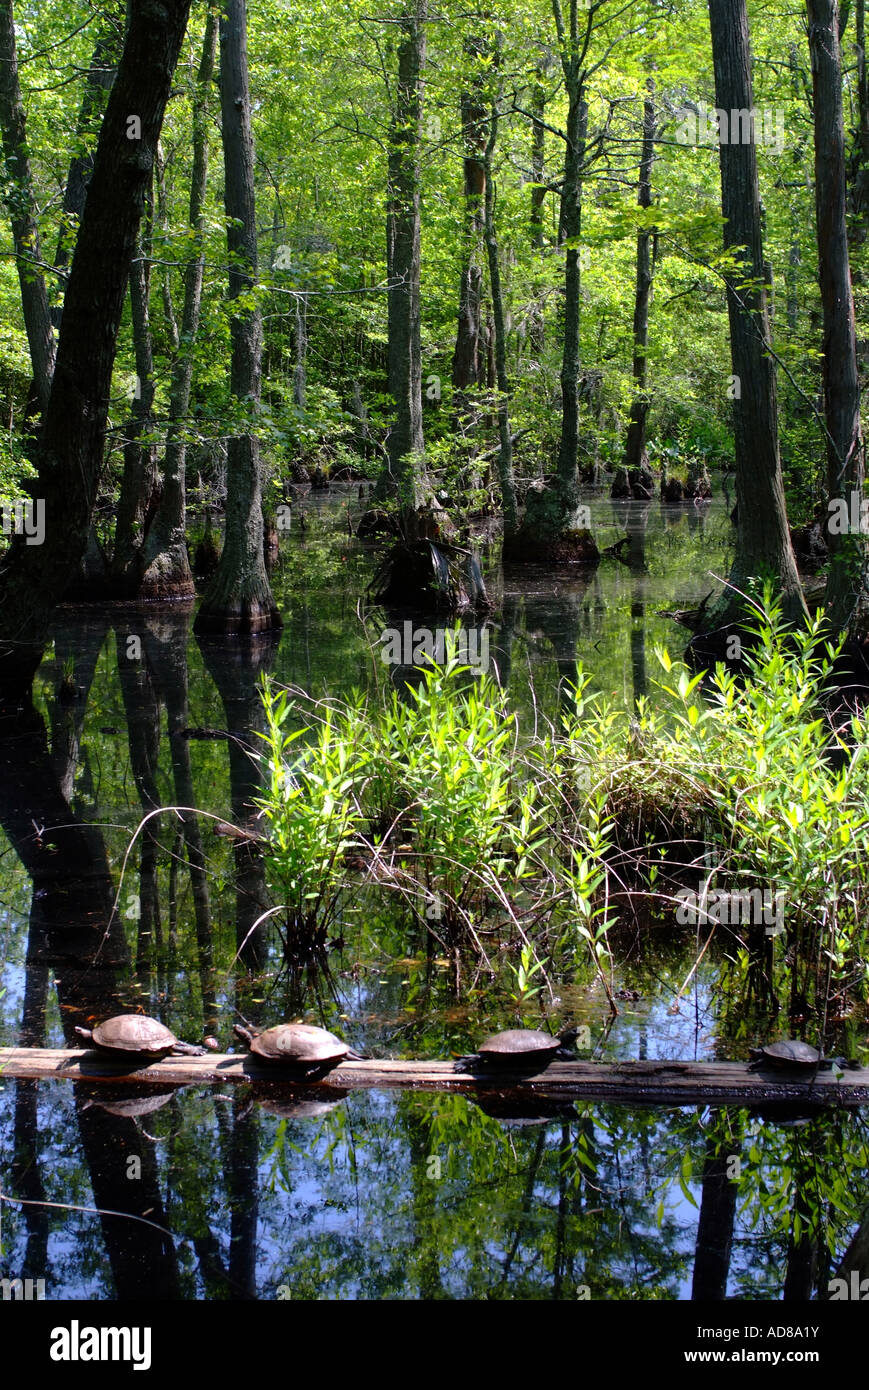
[404, 473]
[635, 448]
[139, 461]
[300, 371]
[858, 172]
[166, 563]
[762, 539]
[71, 447]
[469, 367]
[846, 596]
[571, 227]
[536, 329]
[22, 213]
[99, 80]
[239, 598]
[505, 443]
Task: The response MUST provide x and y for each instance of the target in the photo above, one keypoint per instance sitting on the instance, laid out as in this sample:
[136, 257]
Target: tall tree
[404, 472]
[847, 597]
[635, 448]
[166, 565]
[505, 442]
[239, 598]
[70, 452]
[98, 83]
[21, 203]
[763, 544]
[140, 471]
[573, 47]
[469, 365]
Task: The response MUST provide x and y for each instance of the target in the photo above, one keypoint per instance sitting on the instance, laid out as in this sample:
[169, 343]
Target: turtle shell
[519, 1043]
[790, 1053]
[134, 1033]
[299, 1044]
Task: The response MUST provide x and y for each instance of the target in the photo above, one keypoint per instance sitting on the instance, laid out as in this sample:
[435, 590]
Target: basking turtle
[789, 1055]
[301, 1047]
[138, 1034]
[793, 1055]
[522, 1049]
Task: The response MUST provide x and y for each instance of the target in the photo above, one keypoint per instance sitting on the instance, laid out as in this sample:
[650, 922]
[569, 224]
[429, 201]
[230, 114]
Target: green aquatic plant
[311, 809]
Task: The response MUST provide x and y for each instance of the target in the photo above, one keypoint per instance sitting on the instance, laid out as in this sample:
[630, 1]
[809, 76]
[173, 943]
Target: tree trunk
[403, 473]
[71, 447]
[99, 80]
[469, 366]
[239, 598]
[505, 444]
[300, 371]
[22, 213]
[858, 172]
[166, 563]
[548, 529]
[139, 462]
[846, 582]
[635, 449]
[536, 328]
[571, 227]
[762, 539]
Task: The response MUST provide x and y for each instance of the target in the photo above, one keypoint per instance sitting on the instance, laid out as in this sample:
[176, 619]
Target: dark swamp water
[215, 1194]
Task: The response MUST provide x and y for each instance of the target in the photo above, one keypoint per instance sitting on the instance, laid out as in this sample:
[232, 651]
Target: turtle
[307, 1050]
[793, 1055]
[138, 1034]
[788, 1055]
[522, 1049]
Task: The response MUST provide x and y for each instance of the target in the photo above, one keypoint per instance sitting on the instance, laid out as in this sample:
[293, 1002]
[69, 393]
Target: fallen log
[646, 1082]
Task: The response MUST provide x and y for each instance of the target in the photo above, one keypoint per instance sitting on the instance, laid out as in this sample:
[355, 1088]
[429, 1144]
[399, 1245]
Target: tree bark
[403, 473]
[21, 204]
[166, 564]
[846, 596]
[635, 448]
[70, 451]
[763, 543]
[239, 598]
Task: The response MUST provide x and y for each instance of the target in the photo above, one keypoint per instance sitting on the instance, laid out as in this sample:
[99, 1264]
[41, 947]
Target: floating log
[647, 1082]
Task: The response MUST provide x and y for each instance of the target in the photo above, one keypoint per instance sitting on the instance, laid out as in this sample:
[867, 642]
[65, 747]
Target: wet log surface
[646, 1082]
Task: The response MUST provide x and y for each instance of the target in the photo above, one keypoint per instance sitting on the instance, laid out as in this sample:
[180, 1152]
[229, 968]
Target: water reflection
[245, 1195]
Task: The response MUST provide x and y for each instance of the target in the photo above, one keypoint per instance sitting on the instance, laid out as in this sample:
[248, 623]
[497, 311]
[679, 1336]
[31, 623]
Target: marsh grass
[485, 833]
